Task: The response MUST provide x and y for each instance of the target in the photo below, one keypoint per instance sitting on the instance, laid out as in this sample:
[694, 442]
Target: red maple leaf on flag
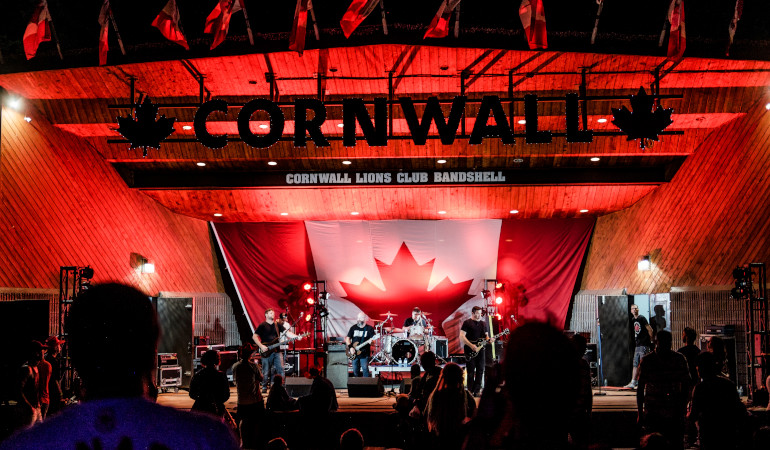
[406, 286]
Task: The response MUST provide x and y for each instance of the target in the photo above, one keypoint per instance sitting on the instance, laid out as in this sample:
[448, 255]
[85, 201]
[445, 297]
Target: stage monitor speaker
[298, 386]
[337, 369]
[406, 386]
[365, 387]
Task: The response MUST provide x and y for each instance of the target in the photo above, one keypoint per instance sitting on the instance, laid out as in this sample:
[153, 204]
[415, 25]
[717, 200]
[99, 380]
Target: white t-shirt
[124, 423]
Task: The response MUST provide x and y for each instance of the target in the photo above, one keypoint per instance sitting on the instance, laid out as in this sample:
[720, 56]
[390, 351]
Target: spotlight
[14, 103]
[644, 263]
[308, 317]
[86, 272]
[500, 286]
[743, 283]
[498, 316]
[499, 300]
[310, 301]
[307, 286]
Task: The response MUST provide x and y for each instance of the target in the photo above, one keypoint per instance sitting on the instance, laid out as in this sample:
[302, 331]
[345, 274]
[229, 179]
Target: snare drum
[404, 349]
[416, 332]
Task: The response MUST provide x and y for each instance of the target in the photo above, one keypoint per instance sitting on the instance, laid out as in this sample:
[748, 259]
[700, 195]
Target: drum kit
[402, 345]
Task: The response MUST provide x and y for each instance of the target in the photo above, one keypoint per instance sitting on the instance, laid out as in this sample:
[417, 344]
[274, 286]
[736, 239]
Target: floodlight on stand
[307, 286]
[644, 263]
[310, 301]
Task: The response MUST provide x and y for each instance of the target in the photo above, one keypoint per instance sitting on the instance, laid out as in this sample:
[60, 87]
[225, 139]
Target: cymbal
[388, 314]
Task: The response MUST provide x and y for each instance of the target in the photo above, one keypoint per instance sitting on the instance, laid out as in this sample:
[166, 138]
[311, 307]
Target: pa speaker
[298, 386]
[406, 386]
[365, 387]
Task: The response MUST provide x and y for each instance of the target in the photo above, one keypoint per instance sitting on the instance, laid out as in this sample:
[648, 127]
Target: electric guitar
[483, 343]
[275, 343]
[355, 349]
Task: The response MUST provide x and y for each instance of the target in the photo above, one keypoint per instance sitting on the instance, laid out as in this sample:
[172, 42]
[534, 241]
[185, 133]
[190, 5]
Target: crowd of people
[540, 397]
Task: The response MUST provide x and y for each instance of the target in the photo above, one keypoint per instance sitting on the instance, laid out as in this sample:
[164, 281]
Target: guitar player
[358, 333]
[267, 333]
[471, 331]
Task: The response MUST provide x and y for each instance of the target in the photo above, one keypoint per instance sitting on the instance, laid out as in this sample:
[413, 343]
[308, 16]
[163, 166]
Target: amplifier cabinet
[169, 378]
[167, 359]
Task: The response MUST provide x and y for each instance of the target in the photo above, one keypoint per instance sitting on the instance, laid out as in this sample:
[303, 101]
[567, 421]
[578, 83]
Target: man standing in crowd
[54, 385]
[661, 397]
[247, 378]
[44, 377]
[642, 335]
[116, 411]
[359, 333]
[471, 331]
[690, 352]
[268, 333]
[28, 397]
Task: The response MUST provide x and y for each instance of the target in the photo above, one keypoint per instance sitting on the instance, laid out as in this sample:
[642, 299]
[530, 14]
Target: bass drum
[404, 349]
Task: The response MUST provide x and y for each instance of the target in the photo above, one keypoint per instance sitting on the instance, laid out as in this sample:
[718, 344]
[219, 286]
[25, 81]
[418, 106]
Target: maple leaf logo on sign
[643, 123]
[406, 286]
[143, 130]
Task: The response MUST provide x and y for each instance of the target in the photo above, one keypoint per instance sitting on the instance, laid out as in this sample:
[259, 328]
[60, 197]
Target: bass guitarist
[268, 333]
[359, 333]
[471, 331]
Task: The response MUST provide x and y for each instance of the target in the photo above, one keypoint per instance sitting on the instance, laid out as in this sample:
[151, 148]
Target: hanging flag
[734, 23]
[168, 24]
[38, 29]
[104, 22]
[439, 26]
[532, 17]
[356, 13]
[299, 27]
[676, 37]
[218, 21]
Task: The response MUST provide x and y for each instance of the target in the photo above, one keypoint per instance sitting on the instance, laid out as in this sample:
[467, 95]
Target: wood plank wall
[62, 204]
[713, 216]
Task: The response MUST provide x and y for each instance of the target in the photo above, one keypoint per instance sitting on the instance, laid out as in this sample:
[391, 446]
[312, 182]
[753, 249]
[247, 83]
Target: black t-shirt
[267, 332]
[409, 322]
[474, 330]
[641, 335]
[360, 334]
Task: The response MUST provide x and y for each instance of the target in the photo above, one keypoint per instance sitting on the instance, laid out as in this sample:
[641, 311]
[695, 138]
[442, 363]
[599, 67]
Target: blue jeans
[361, 363]
[274, 361]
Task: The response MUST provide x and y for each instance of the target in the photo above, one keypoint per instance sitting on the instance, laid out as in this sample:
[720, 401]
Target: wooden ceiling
[708, 93]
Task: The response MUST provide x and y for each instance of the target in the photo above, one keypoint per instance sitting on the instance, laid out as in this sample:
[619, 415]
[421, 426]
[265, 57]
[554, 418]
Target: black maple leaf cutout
[143, 130]
[643, 123]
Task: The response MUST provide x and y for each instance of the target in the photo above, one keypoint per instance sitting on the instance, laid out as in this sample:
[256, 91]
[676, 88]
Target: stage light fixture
[307, 286]
[743, 286]
[499, 285]
[498, 316]
[310, 301]
[86, 272]
[644, 263]
[308, 317]
[499, 300]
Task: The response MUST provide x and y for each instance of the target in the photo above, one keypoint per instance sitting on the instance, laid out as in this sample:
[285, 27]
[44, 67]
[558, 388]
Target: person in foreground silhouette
[113, 334]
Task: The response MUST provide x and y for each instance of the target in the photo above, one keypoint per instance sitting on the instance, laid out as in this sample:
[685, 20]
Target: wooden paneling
[62, 204]
[713, 216]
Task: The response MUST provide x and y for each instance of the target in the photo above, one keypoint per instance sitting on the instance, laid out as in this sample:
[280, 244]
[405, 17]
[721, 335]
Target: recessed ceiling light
[767, 106]
[200, 164]
[347, 163]
[217, 214]
[602, 120]
[595, 158]
[272, 163]
[340, 125]
[186, 127]
[521, 122]
[264, 126]
[442, 212]
[284, 214]
[441, 161]
[354, 213]
[28, 119]
[514, 211]
[584, 210]
[518, 160]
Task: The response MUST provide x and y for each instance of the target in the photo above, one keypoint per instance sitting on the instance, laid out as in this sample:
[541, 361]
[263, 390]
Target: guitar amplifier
[167, 359]
[336, 347]
[201, 349]
[169, 377]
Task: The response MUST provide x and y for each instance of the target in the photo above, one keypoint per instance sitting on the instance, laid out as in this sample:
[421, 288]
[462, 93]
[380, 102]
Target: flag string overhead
[677, 41]
[167, 22]
[105, 18]
[218, 21]
[38, 29]
[439, 26]
[356, 13]
[532, 15]
[299, 27]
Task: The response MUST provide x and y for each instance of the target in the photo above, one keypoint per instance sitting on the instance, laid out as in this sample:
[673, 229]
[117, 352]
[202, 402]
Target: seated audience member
[322, 398]
[277, 443]
[115, 412]
[542, 380]
[716, 408]
[661, 397]
[248, 376]
[352, 439]
[427, 382]
[278, 399]
[209, 386]
[450, 407]
[414, 372]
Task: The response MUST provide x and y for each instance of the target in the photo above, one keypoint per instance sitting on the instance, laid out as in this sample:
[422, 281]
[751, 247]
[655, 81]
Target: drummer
[416, 324]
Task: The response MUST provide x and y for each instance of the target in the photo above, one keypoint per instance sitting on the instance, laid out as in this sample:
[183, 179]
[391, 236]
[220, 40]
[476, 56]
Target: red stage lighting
[498, 316]
[310, 301]
[499, 285]
[499, 300]
[308, 317]
[307, 286]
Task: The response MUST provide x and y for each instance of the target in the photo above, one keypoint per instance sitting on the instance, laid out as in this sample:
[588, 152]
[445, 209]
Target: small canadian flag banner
[38, 29]
[381, 267]
[299, 27]
[167, 22]
[218, 20]
[532, 17]
[104, 32]
[356, 13]
[439, 26]
[677, 40]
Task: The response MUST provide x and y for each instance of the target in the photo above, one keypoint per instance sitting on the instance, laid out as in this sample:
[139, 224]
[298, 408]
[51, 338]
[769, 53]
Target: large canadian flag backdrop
[393, 266]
